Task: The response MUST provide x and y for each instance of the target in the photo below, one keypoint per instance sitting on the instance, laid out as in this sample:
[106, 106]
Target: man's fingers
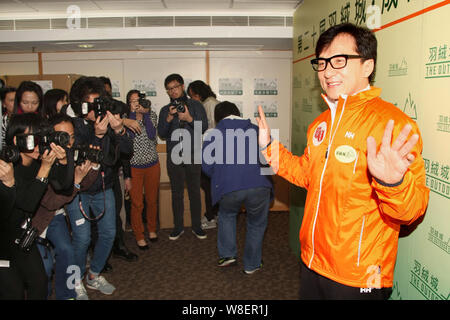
[262, 122]
[387, 136]
[402, 137]
[409, 145]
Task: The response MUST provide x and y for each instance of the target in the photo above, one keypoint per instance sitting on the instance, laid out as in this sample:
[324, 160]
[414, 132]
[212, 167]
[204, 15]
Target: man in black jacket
[107, 132]
[181, 123]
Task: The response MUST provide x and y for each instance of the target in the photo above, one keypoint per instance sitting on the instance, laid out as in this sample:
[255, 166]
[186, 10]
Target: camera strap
[104, 203]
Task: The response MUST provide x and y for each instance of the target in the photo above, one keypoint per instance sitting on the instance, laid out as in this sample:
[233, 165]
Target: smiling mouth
[333, 84]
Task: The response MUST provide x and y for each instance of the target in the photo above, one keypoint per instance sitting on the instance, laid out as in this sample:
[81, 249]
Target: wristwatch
[43, 180]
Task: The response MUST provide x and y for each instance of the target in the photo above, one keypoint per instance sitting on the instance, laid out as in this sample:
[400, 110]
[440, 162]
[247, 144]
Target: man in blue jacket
[231, 158]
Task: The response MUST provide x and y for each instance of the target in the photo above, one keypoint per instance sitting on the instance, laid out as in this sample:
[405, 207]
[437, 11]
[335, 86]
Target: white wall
[126, 66]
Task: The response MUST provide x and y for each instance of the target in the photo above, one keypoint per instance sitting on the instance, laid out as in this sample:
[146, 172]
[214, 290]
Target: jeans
[178, 175]
[81, 228]
[256, 201]
[63, 255]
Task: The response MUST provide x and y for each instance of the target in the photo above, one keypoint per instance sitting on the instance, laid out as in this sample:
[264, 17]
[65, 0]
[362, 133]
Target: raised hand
[7, 173]
[264, 130]
[390, 163]
[101, 126]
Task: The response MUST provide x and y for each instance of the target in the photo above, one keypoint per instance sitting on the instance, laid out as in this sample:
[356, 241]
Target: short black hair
[59, 118]
[20, 122]
[105, 80]
[202, 89]
[4, 91]
[366, 42]
[28, 86]
[225, 109]
[82, 88]
[173, 77]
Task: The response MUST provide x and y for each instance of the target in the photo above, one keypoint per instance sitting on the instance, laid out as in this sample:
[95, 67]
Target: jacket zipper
[321, 179]
[360, 239]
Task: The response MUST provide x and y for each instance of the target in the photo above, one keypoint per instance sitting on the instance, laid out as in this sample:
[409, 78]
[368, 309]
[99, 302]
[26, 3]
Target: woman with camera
[25, 277]
[145, 168]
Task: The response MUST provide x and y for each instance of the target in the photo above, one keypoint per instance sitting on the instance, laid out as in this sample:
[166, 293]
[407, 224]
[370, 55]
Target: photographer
[177, 122]
[32, 174]
[50, 217]
[98, 123]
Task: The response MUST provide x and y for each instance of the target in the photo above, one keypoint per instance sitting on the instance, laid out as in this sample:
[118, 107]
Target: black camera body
[83, 153]
[145, 103]
[27, 142]
[106, 103]
[28, 236]
[10, 154]
[59, 138]
[179, 105]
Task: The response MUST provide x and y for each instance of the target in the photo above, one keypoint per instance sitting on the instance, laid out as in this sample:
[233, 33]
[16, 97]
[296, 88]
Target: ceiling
[40, 26]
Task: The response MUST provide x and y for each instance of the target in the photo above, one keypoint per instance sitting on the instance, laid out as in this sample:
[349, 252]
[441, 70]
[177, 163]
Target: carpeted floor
[186, 269]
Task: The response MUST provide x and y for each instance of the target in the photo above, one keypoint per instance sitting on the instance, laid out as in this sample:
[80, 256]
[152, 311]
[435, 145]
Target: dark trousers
[211, 211]
[313, 286]
[25, 277]
[178, 175]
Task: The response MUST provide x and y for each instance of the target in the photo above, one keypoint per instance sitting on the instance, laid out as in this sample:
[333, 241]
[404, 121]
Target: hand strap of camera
[104, 203]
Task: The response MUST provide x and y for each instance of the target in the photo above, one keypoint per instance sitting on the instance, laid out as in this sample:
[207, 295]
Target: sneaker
[254, 270]
[224, 262]
[208, 224]
[99, 283]
[80, 290]
[175, 234]
[200, 234]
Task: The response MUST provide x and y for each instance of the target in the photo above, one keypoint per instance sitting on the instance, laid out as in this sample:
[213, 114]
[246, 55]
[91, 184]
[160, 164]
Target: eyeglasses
[173, 88]
[337, 62]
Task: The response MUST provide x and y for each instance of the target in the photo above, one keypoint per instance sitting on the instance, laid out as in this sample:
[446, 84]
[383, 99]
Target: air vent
[192, 21]
[110, 22]
[62, 23]
[133, 22]
[6, 25]
[230, 21]
[32, 24]
[266, 21]
[155, 21]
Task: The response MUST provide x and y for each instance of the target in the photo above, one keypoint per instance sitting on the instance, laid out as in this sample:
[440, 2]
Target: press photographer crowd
[60, 161]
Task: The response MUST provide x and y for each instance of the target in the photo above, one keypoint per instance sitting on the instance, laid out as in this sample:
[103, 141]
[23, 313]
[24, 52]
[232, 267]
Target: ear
[368, 67]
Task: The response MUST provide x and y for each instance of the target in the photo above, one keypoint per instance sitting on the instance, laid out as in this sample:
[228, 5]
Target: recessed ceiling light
[200, 43]
[86, 45]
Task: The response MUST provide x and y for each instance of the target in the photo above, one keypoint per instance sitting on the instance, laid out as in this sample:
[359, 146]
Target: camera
[59, 138]
[83, 153]
[27, 142]
[145, 103]
[105, 103]
[28, 236]
[179, 105]
[9, 154]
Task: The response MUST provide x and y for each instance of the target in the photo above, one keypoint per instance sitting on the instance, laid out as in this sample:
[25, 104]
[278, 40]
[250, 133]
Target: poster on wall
[149, 86]
[265, 87]
[231, 87]
[115, 88]
[270, 108]
[45, 85]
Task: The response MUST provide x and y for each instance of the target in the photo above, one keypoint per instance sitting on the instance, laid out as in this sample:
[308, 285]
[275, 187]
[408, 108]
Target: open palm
[390, 163]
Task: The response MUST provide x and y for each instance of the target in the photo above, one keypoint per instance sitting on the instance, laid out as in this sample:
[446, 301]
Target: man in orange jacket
[361, 185]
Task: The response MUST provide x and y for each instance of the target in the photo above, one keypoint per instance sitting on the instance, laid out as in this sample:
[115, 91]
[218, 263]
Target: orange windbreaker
[351, 222]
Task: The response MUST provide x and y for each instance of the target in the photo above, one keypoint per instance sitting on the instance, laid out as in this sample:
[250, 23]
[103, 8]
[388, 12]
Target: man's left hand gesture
[390, 163]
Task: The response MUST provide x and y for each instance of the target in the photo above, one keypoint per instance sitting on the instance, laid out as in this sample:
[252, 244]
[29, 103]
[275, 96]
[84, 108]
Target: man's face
[90, 99]
[352, 78]
[8, 103]
[194, 96]
[175, 89]
[68, 128]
